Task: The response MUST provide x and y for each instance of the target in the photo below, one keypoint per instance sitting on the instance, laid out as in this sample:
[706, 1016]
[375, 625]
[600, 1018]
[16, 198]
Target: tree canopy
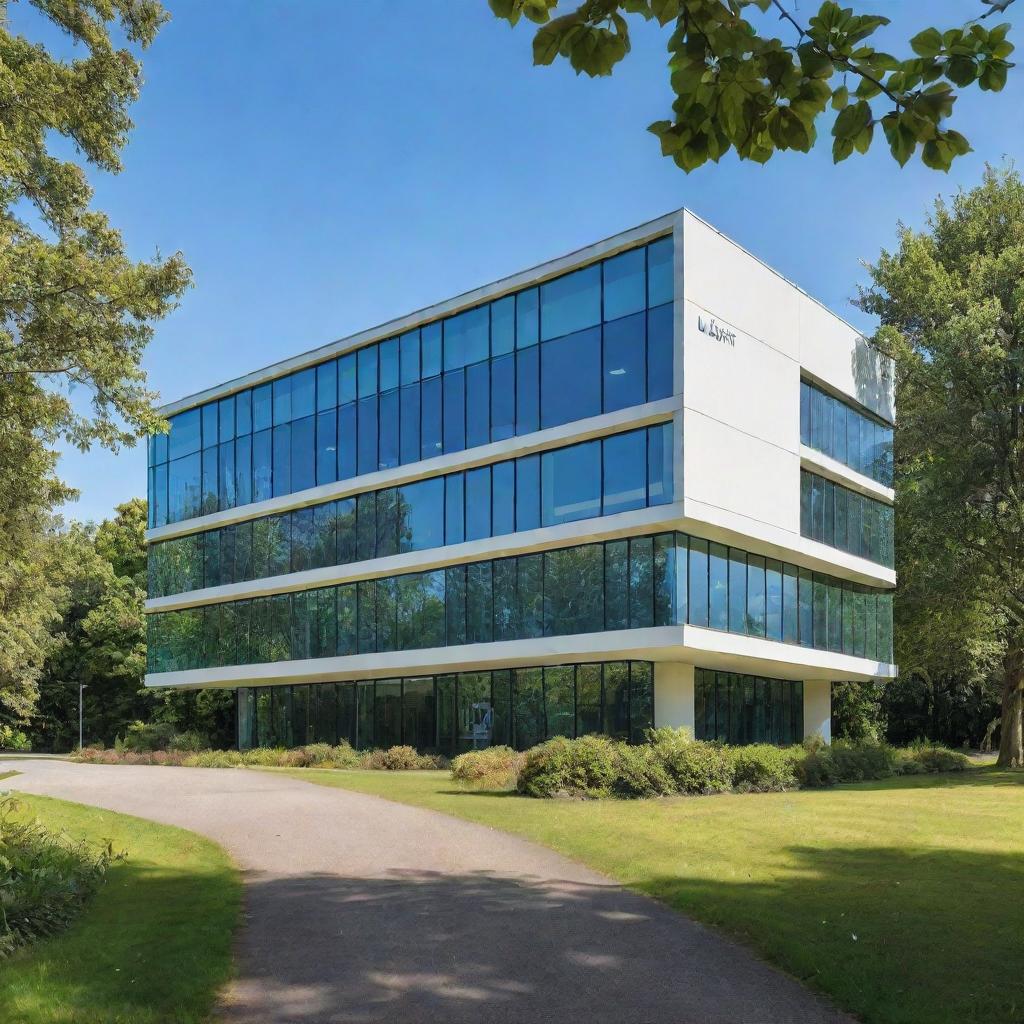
[740, 88]
[75, 311]
[951, 303]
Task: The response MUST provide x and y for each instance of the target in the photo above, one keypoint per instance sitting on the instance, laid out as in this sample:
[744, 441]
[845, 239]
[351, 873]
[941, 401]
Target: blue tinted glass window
[454, 411]
[160, 495]
[262, 405]
[326, 386]
[659, 272]
[388, 354]
[570, 303]
[347, 455]
[367, 434]
[226, 417]
[282, 400]
[503, 397]
[347, 547]
[183, 487]
[430, 418]
[184, 438]
[262, 461]
[571, 483]
[503, 498]
[625, 284]
[409, 424]
[303, 393]
[527, 390]
[737, 591]
[718, 586]
[571, 378]
[409, 357]
[327, 447]
[478, 503]
[625, 362]
[388, 445]
[478, 404]
[527, 318]
[159, 448]
[454, 509]
[660, 459]
[527, 492]
[209, 416]
[430, 349]
[282, 460]
[697, 603]
[347, 378]
[367, 370]
[659, 353]
[625, 472]
[755, 595]
[466, 338]
[208, 499]
[226, 484]
[243, 469]
[503, 325]
[421, 511]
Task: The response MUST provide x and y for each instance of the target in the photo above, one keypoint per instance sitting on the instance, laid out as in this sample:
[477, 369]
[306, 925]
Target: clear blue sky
[326, 166]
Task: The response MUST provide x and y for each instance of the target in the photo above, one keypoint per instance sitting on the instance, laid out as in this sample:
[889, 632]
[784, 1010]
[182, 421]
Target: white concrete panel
[730, 283]
[743, 474]
[673, 695]
[738, 379]
[835, 354]
[818, 709]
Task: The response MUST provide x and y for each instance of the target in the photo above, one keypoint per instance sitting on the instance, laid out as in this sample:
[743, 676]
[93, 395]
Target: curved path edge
[361, 909]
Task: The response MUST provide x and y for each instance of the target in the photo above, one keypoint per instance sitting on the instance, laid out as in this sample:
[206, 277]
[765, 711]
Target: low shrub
[693, 766]
[934, 758]
[640, 772]
[564, 767]
[863, 760]
[763, 768]
[816, 768]
[45, 877]
[13, 739]
[493, 768]
[143, 737]
[401, 758]
[189, 740]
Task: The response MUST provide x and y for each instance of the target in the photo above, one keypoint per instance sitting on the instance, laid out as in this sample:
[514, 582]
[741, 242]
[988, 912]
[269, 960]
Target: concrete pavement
[359, 910]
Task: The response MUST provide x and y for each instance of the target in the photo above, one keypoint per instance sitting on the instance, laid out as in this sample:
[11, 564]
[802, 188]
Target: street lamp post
[81, 712]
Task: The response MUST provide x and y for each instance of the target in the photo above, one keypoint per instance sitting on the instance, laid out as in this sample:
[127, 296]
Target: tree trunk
[1011, 739]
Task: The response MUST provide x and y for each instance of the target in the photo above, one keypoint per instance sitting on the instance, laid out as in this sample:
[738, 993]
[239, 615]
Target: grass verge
[152, 947]
[892, 897]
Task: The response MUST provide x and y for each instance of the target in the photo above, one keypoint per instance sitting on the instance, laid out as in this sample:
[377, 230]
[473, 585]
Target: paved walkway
[361, 910]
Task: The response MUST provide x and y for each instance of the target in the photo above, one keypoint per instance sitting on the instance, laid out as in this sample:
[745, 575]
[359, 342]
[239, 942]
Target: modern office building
[648, 482]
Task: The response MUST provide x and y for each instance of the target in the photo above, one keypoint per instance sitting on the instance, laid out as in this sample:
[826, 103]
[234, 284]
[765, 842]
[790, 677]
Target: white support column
[817, 709]
[673, 694]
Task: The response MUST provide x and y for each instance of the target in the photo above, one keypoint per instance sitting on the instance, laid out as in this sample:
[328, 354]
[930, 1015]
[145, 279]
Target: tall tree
[739, 87]
[75, 311]
[951, 303]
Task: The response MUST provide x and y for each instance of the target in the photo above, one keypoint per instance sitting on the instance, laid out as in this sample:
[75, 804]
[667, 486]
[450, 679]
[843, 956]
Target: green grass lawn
[152, 947]
[903, 900]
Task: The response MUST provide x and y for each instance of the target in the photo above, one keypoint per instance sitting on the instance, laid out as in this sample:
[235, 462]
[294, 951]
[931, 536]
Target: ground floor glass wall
[452, 713]
[734, 708]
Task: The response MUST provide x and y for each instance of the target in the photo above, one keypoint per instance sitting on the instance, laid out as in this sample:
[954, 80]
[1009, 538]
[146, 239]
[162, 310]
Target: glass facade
[848, 435]
[613, 474]
[622, 584]
[453, 713]
[736, 709]
[593, 340]
[845, 519]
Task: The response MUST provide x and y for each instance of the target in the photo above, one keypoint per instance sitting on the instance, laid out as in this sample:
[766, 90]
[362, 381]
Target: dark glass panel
[527, 390]
[478, 503]
[478, 404]
[185, 434]
[641, 582]
[473, 710]
[616, 584]
[282, 400]
[503, 397]
[418, 712]
[773, 599]
[348, 620]
[367, 461]
[303, 540]
[347, 385]
[625, 284]
[528, 707]
[388, 516]
[625, 362]
[466, 338]
[325, 534]
[431, 426]
[755, 595]
[226, 485]
[503, 325]
[304, 393]
[454, 410]
[348, 544]
[737, 591]
[366, 371]
[588, 699]
[364, 714]
[616, 700]
[421, 515]
[454, 508]
[571, 483]
[571, 378]
[347, 451]
[387, 714]
[409, 357]
[659, 353]
[560, 700]
[641, 700]
[226, 418]
[183, 488]
[327, 447]
[503, 498]
[243, 469]
[501, 698]
[303, 454]
[659, 272]
[262, 407]
[455, 604]
[697, 603]
[624, 459]
[527, 318]
[327, 386]
[571, 302]
[527, 492]
[530, 593]
[388, 355]
[282, 460]
[430, 349]
[366, 616]
[506, 618]
[479, 605]
[409, 424]
[388, 454]
[211, 473]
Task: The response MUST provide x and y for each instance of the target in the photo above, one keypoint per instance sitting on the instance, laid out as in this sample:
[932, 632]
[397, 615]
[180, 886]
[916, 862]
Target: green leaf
[546, 43]
[937, 155]
[867, 89]
[862, 143]
[852, 120]
[840, 98]
[993, 75]
[505, 9]
[841, 149]
[961, 70]
[665, 10]
[927, 43]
